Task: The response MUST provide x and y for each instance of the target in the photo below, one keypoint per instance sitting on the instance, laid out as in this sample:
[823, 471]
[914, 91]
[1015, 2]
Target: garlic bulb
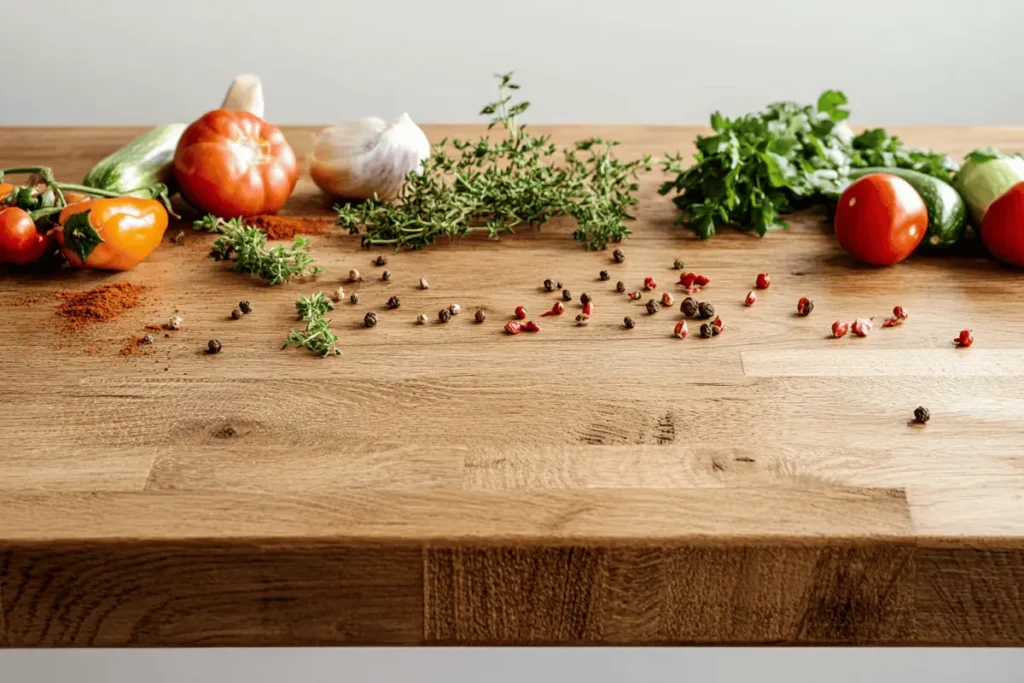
[357, 159]
[245, 94]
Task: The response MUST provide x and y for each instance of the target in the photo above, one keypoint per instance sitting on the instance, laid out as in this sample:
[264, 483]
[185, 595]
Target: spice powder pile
[287, 227]
[81, 310]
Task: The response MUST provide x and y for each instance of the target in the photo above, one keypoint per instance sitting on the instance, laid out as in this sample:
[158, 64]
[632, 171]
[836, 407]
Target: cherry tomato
[233, 163]
[1002, 228]
[881, 219]
[111, 234]
[20, 242]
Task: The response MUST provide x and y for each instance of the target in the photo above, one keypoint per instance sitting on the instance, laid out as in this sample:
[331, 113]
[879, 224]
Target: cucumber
[142, 162]
[946, 211]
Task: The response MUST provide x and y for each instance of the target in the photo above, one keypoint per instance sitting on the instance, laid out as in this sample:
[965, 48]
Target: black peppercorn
[566, 295]
[381, 261]
[394, 302]
[707, 330]
[354, 298]
[236, 314]
[444, 315]
[370, 319]
[549, 285]
[715, 330]
[604, 275]
[558, 285]
[618, 256]
[584, 298]
[620, 287]
[386, 275]
[480, 316]
[629, 323]
[245, 307]
[689, 307]
[213, 346]
[921, 415]
[705, 310]
[678, 265]
[653, 307]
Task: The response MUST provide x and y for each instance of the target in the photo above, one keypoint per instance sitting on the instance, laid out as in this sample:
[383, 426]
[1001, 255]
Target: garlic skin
[245, 94]
[357, 159]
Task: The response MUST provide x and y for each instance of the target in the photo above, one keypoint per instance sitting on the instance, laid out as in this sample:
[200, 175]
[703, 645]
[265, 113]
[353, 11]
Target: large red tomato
[1002, 228]
[233, 163]
[881, 219]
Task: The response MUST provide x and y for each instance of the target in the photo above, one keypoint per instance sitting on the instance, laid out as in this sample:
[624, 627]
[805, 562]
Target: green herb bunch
[317, 336]
[762, 165]
[248, 247]
[493, 186]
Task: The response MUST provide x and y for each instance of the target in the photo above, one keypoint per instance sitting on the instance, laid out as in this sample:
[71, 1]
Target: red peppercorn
[680, 330]
[717, 322]
[557, 309]
[751, 299]
[900, 313]
[687, 279]
[532, 326]
[667, 299]
[862, 327]
[649, 283]
[702, 280]
[513, 327]
[635, 295]
[588, 309]
[763, 280]
[520, 313]
[839, 329]
[965, 339]
[804, 306]
[892, 322]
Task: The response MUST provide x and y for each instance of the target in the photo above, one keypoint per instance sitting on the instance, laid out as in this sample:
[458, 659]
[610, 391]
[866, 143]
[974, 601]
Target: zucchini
[946, 211]
[146, 160]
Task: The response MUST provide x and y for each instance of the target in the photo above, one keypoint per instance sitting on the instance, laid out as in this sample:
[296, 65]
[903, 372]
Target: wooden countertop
[451, 484]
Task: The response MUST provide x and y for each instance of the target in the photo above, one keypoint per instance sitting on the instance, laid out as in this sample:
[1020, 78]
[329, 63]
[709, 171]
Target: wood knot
[225, 432]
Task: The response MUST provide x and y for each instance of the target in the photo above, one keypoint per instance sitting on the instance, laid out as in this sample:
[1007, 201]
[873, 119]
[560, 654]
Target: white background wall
[605, 61]
[583, 61]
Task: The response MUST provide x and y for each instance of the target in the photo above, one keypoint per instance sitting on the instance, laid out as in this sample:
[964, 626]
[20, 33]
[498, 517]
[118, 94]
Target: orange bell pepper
[111, 234]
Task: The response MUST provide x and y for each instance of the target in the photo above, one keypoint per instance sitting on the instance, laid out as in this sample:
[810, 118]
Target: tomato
[111, 234]
[233, 163]
[20, 242]
[1002, 228]
[881, 219]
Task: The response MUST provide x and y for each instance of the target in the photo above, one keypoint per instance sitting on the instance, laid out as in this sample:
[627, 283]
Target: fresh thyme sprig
[494, 186]
[317, 336]
[248, 246]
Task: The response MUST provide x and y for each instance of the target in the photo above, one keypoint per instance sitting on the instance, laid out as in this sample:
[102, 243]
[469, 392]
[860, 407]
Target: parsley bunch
[317, 336]
[494, 186]
[762, 165]
[248, 246]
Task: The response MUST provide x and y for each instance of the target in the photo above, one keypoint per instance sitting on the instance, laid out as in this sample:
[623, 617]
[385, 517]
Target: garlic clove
[245, 94]
[367, 157]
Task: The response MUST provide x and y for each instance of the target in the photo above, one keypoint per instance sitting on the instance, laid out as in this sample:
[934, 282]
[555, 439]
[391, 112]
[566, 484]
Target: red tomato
[20, 242]
[1002, 228]
[233, 163]
[881, 219]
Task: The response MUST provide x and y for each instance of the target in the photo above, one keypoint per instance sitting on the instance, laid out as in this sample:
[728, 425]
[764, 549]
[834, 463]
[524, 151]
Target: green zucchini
[946, 210]
[144, 161]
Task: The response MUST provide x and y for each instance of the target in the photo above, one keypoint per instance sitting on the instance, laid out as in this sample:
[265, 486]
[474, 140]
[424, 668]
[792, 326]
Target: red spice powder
[287, 227]
[81, 310]
[134, 347]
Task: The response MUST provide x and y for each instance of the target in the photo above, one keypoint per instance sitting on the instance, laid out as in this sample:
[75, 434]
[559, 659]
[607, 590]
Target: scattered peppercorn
[667, 300]
[705, 310]
[839, 329]
[620, 287]
[354, 298]
[584, 298]
[900, 312]
[702, 280]
[381, 261]
[763, 281]
[370, 319]
[678, 264]
[650, 284]
[804, 306]
[618, 256]
[558, 285]
[635, 295]
[715, 330]
[582, 319]
[964, 339]
[174, 323]
[604, 275]
[653, 307]
[480, 316]
[751, 299]
[421, 319]
[718, 325]
[707, 330]
[588, 309]
[424, 284]
[513, 327]
[687, 280]
[549, 285]
[394, 302]
[354, 276]
[339, 294]
[689, 307]
[454, 309]
[681, 331]
[245, 307]
[385, 276]
[532, 326]
[922, 415]
[629, 322]
[520, 313]
[213, 346]
[861, 327]
[566, 295]
[147, 339]
[444, 315]
[236, 314]
[557, 309]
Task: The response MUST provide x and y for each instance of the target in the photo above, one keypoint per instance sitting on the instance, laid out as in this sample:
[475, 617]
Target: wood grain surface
[448, 484]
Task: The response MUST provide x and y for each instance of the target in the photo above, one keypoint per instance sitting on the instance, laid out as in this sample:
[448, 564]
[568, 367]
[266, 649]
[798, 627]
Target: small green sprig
[248, 247]
[317, 337]
[494, 186]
